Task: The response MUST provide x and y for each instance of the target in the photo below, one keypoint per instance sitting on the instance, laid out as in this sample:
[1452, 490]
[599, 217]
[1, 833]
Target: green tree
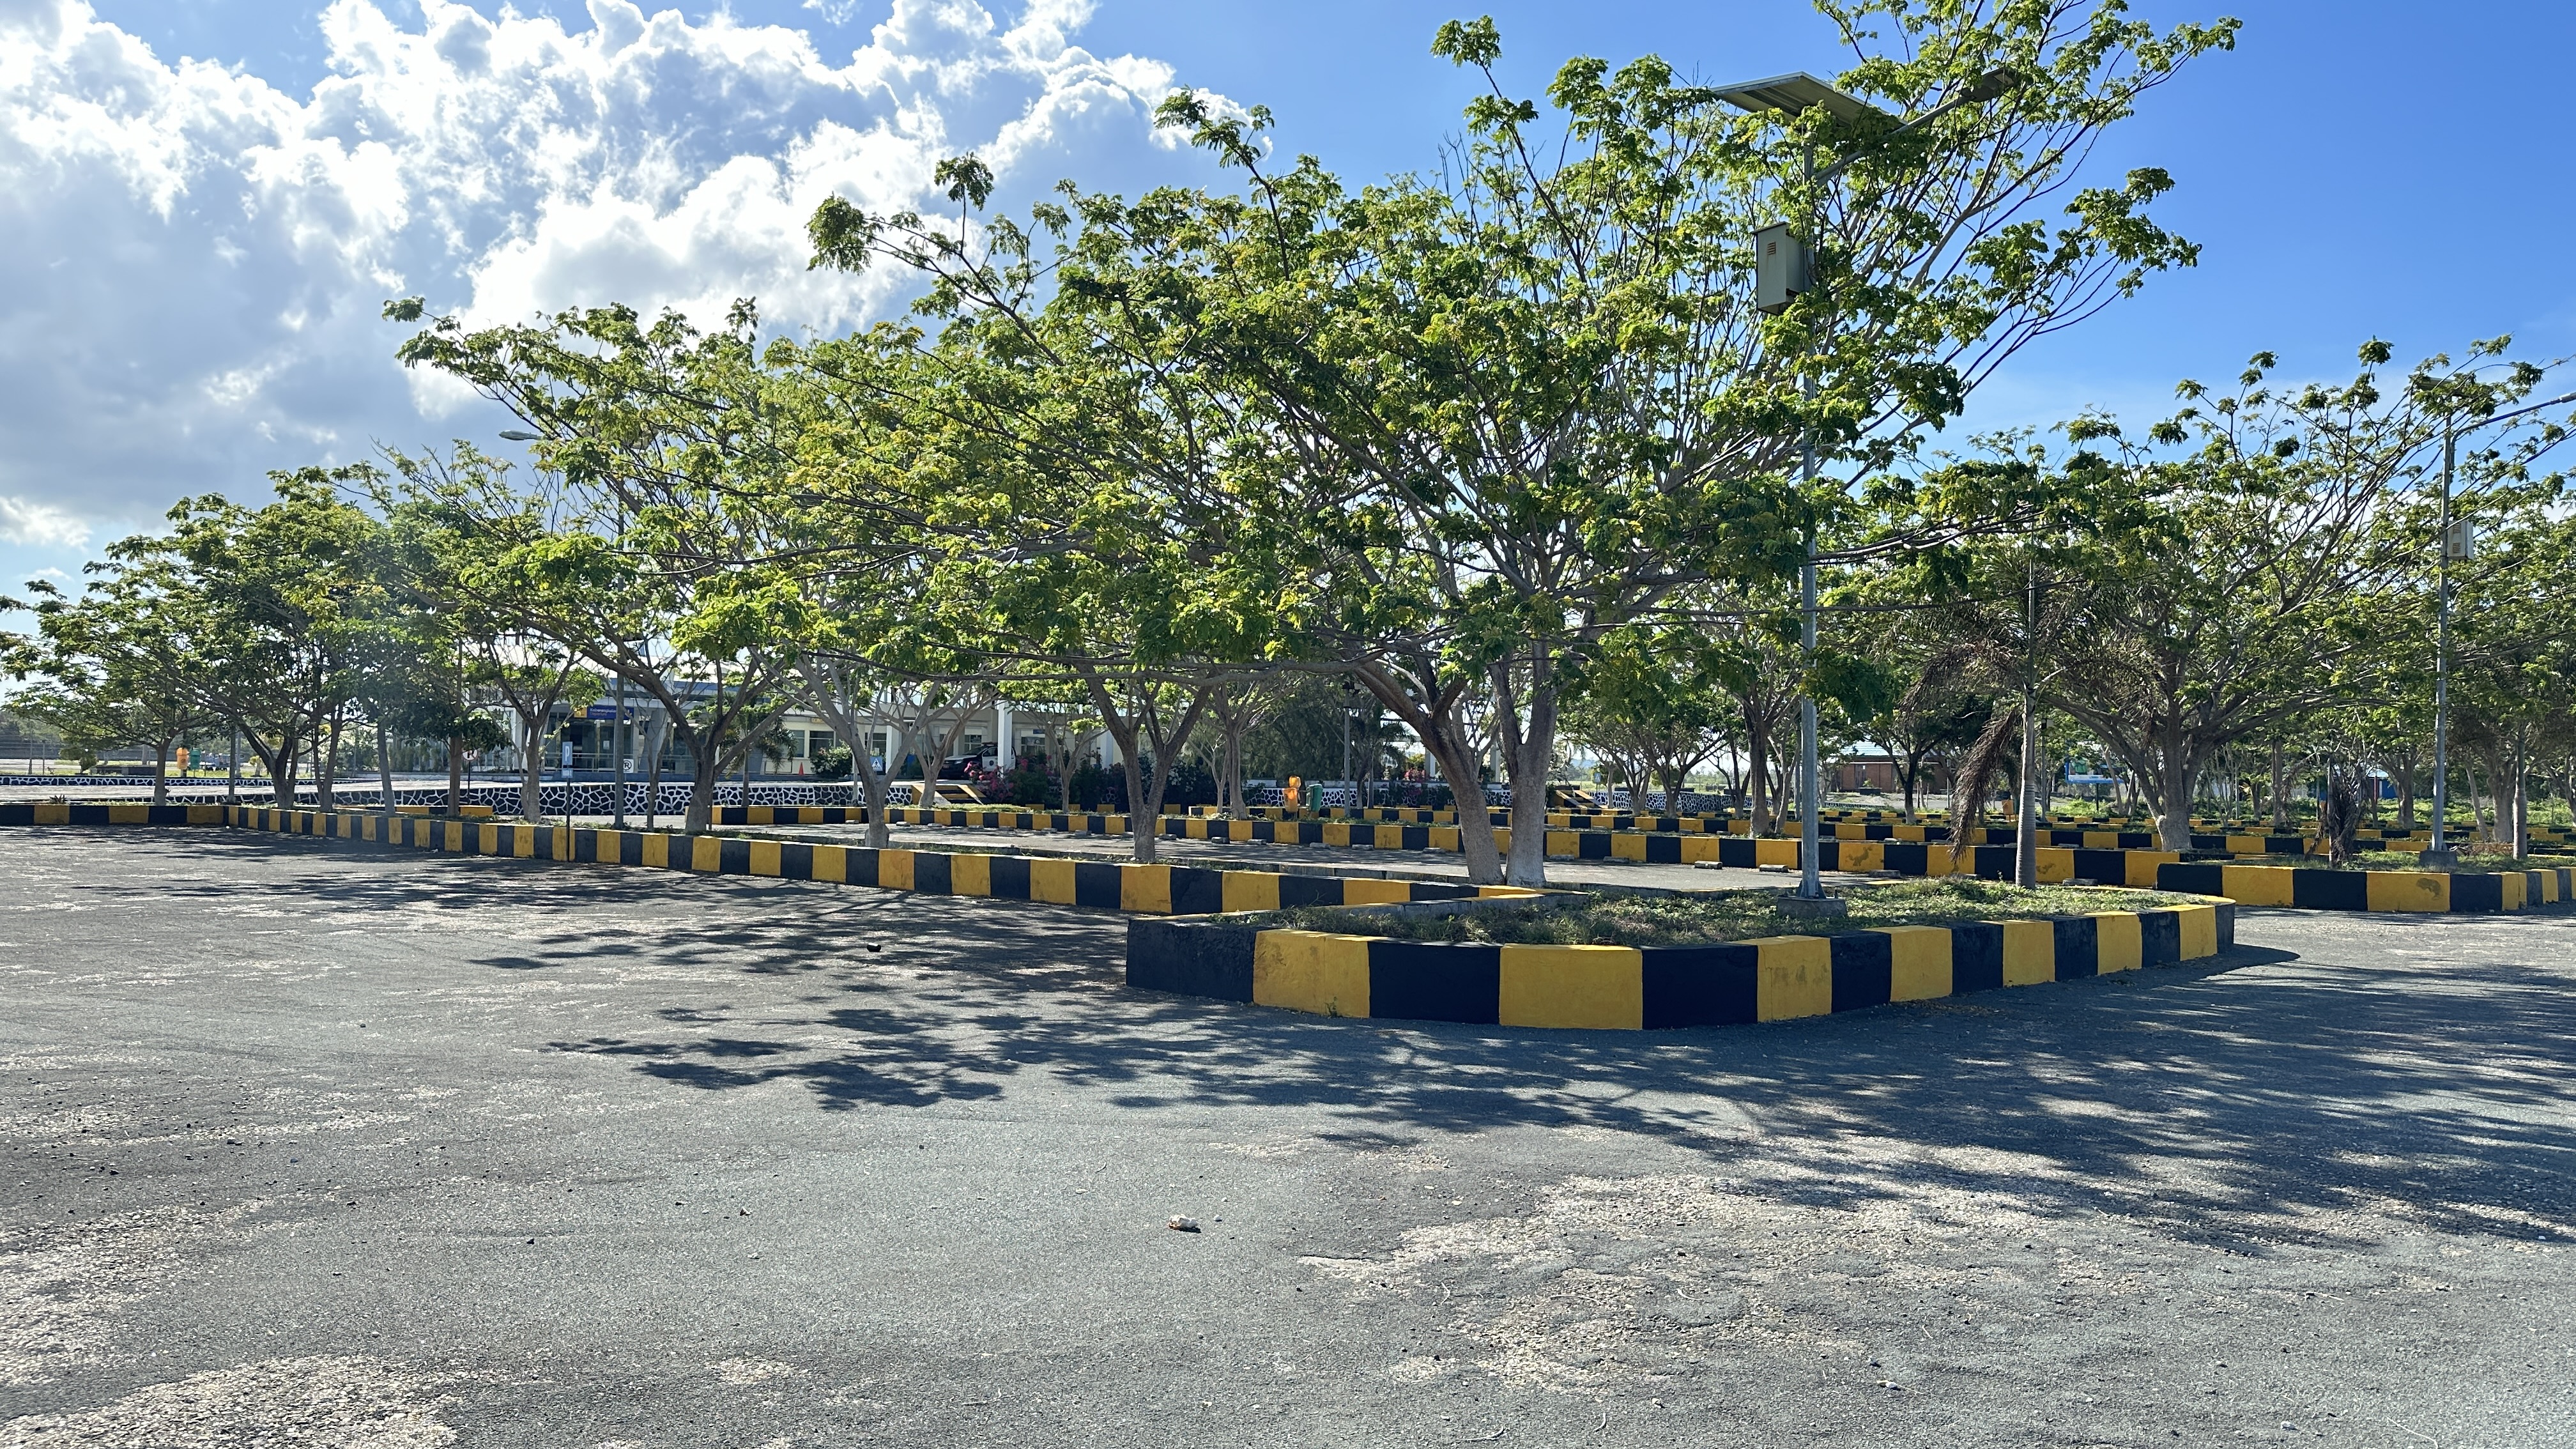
[281, 599]
[2513, 688]
[1079, 486]
[1653, 702]
[672, 431]
[2236, 585]
[1534, 399]
[119, 664]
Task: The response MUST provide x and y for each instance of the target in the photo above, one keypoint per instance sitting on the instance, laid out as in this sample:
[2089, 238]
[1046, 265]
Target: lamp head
[2002, 80]
[1797, 91]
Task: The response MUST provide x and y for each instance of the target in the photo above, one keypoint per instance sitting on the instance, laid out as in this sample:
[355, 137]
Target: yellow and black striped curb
[2100, 863]
[2057, 864]
[1908, 849]
[1103, 885]
[2315, 889]
[2237, 837]
[56, 812]
[1638, 846]
[1631, 988]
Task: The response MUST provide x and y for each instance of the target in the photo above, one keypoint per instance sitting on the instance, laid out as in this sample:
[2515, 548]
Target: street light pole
[2439, 853]
[617, 727]
[1347, 693]
[2026, 806]
[1811, 851]
[1791, 95]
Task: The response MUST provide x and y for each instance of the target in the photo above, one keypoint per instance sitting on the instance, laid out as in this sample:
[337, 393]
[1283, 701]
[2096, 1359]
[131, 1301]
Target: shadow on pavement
[2357, 1074]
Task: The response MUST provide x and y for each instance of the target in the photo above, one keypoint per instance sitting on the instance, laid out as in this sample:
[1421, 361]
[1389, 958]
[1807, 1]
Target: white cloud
[39, 525]
[197, 258]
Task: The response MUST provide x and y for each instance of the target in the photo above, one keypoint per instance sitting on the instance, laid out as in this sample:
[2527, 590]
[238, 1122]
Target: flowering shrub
[1033, 783]
[986, 780]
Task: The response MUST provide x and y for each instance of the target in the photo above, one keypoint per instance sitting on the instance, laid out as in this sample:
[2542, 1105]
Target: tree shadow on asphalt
[2204, 1096]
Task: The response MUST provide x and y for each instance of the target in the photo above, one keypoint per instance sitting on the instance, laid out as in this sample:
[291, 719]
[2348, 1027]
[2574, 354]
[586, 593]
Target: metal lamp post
[617, 730]
[2456, 543]
[1784, 268]
[1351, 705]
[2439, 853]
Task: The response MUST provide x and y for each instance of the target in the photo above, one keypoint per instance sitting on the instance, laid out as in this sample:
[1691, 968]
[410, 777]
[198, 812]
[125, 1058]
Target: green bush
[1089, 787]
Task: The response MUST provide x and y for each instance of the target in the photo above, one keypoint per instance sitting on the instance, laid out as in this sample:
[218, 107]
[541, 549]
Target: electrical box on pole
[2460, 541]
[1781, 268]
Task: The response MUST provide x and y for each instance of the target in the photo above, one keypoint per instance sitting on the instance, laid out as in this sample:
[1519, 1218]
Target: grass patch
[1705, 918]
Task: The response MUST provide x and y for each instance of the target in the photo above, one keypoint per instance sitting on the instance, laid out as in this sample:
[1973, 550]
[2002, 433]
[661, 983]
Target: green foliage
[1089, 788]
[1506, 444]
[1032, 785]
[1451, 434]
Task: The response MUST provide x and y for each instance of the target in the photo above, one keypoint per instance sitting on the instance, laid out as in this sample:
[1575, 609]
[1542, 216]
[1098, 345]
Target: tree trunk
[1757, 772]
[326, 762]
[2280, 789]
[1142, 826]
[1235, 809]
[161, 773]
[2173, 819]
[708, 768]
[1529, 747]
[1525, 765]
[1131, 733]
[1150, 821]
[1434, 719]
[2513, 801]
[2026, 817]
[384, 771]
[455, 777]
[531, 766]
[653, 778]
[1457, 755]
[2167, 771]
[900, 746]
[281, 768]
[872, 782]
[2337, 813]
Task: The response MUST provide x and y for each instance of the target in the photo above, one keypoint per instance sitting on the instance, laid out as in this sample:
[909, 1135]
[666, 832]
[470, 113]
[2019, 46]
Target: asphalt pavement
[306, 1144]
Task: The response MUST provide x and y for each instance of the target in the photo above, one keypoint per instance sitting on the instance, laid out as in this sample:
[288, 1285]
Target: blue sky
[193, 276]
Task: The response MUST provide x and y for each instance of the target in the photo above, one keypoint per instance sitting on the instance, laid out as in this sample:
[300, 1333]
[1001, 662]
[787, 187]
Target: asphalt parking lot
[313, 1145]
